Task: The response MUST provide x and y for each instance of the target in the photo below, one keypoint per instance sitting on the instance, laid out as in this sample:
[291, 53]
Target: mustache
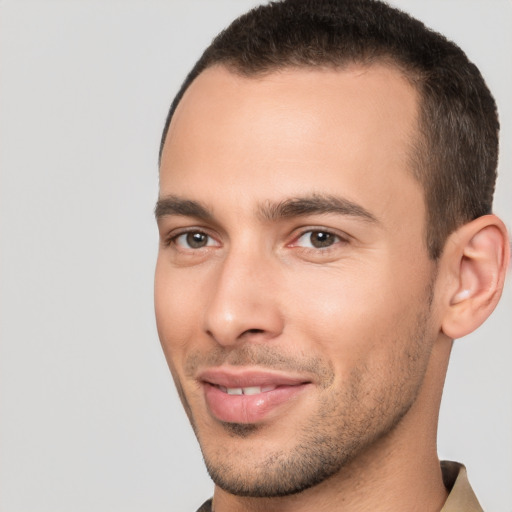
[264, 356]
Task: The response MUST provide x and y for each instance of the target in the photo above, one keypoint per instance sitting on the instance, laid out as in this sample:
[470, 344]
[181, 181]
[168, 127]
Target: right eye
[194, 240]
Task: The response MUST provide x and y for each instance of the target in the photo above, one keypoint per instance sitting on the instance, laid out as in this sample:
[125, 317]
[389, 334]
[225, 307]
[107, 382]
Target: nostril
[254, 331]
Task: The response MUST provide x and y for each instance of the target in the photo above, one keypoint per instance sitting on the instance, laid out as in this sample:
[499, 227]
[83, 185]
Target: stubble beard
[327, 444]
[344, 426]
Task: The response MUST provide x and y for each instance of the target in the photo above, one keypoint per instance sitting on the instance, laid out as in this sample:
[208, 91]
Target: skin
[360, 319]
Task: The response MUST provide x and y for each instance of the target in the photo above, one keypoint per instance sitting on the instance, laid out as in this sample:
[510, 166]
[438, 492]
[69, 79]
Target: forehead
[291, 130]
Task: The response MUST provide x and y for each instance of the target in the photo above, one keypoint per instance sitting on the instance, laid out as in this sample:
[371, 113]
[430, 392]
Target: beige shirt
[461, 497]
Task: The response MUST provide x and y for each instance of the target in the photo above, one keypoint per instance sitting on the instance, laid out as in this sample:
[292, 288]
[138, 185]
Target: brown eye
[317, 239]
[194, 240]
[322, 239]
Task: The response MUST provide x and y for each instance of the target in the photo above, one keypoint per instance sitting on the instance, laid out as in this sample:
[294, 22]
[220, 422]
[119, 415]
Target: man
[326, 182]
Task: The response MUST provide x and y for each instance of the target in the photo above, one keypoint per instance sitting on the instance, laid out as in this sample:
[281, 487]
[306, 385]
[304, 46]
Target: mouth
[249, 390]
[248, 396]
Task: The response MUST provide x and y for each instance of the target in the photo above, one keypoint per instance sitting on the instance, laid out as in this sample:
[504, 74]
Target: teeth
[254, 390]
[251, 390]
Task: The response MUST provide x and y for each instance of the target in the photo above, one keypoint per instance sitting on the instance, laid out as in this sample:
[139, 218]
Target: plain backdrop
[90, 420]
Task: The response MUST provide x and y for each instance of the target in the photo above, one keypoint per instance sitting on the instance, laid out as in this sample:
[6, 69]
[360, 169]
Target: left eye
[194, 240]
[317, 239]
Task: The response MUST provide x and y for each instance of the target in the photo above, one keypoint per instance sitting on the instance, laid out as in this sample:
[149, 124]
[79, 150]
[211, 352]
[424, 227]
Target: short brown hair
[456, 151]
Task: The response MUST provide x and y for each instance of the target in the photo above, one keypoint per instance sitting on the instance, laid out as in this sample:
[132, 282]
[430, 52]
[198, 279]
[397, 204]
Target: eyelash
[338, 238]
[173, 238]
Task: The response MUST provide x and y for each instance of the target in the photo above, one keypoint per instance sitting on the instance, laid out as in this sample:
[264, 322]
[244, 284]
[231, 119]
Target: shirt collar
[461, 497]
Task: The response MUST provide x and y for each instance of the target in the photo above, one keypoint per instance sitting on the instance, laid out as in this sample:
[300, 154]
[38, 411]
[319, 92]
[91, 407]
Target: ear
[475, 259]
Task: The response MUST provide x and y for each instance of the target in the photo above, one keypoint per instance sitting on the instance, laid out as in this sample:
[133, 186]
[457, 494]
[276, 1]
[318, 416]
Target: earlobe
[477, 256]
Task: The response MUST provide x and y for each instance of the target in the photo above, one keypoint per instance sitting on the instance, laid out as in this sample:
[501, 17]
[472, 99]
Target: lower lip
[248, 408]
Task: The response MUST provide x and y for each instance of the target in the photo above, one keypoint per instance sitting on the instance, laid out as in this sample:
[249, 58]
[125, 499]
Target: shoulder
[206, 506]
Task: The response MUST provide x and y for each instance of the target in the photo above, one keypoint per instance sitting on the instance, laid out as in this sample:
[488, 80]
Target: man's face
[293, 289]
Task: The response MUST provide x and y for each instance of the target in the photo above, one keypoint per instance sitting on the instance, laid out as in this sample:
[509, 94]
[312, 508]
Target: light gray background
[90, 420]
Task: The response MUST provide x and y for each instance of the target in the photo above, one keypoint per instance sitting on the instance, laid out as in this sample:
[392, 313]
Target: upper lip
[244, 377]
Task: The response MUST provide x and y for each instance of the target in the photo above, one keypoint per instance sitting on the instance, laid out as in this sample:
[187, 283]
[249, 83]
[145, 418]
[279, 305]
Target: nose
[243, 302]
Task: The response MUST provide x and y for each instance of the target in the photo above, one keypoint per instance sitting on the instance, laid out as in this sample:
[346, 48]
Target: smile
[250, 390]
[234, 396]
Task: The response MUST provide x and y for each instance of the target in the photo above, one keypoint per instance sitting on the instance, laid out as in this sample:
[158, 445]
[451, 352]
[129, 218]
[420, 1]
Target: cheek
[176, 309]
[336, 300]
[352, 316]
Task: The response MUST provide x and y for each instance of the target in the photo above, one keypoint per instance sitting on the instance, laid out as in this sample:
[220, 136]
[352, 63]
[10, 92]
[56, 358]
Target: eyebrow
[294, 207]
[174, 205]
[315, 204]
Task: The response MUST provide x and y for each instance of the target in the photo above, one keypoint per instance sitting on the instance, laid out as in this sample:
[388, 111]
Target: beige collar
[461, 497]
